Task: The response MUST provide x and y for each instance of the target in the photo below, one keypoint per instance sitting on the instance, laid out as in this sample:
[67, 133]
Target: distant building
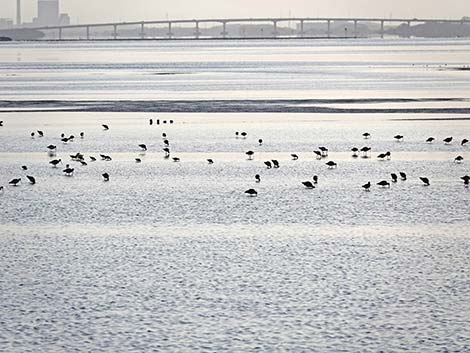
[6, 23]
[49, 15]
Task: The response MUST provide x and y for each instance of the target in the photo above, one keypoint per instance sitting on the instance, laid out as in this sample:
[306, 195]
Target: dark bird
[331, 164]
[55, 162]
[257, 178]
[83, 163]
[243, 134]
[354, 150]
[383, 183]
[251, 192]
[315, 179]
[105, 176]
[294, 156]
[24, 167]
[382, 156]
[318, 154]
[1, 122]
[158, 121]
[210, 161]
[105, 127]
[402, 176]
[62, 135]
[464, 142]
[425, 181]
[71, 137]
[237, 134]
[82, 135]
[268, 164]
[68, 171]
[176, 159]
[151, 121]
[324, 151]
[40, 133]
[51, 147]
[430, 139]
[250, 154]
[466, 179]
[32, 134]
[32, 180]
[143, 146]
[164, 135]
[275, 163]
[398, 137]
[365, 150]
[394, 177]
[1, 188]
[166, 142]
[138, 160]
[366, 135]
[65, 139]
[14, 182]
[308, 184]
[448, 140]
[167, 151]
[108, 158]
[260, 141]
[458, 159]
[366, 186]
[93, 159]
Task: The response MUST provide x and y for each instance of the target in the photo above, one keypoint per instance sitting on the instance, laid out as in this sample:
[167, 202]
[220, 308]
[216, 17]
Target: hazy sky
[106, 10]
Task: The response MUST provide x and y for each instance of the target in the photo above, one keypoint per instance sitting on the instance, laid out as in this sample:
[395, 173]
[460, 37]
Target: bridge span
[224, 22]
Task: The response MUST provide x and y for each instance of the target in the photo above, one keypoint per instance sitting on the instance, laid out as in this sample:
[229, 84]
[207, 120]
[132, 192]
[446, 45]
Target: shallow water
[175, 257]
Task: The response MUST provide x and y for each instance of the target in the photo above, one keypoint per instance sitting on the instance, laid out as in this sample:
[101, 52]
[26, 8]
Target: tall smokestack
[18, 12]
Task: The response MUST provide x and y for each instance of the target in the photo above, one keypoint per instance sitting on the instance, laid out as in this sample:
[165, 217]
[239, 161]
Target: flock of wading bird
[321, 153]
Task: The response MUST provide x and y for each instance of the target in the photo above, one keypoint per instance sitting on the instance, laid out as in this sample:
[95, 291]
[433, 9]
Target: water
[175, 257]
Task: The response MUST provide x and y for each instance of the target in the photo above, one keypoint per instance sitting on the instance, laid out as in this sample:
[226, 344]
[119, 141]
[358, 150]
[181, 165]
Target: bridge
[223, 22]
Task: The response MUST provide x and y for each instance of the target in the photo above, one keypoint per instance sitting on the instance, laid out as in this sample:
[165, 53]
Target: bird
[167, 151]
[382, 156]
[398, 137]
[93, 159]
[318, 154]
[151, 121]
[138, 160]
[464, 142]
[294, 156]
[82, 162]
[430, 139]
[354, 150]
[402, 175]
[40, 133]
[366, 135]
[32, 135]
[237, 134]
[251, 192]
[51, 147]
[176, 159]
[1, 122]
[331, 164]
[394, 177]
[458, 159]
[324, 151]
[315, 179]
[143, 146]
[1, 188]
[466, 179]
[105, 176]
[166, 142]
[308, 184]
[65, 139]
[250, 154]
[425, 181]
[364, 151]
[82, 134]
[14, 182]
[210, 161]
[383, 183]
[275, 163]
[366, 186]
[55, 162]
[257, 178]
[260, 142]
[448, 140]
[32, 180]
[268, 164]
[24, 167]
[105, 127]
[243, 134]
[164, 135]
[68, 171]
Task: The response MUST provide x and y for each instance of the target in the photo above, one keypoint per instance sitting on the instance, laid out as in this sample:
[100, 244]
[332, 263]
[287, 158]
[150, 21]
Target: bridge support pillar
[355, 28]
[275, 29]
[382, 31]
[224, 30]
[328, 29]
[87, 32]
[197, 33]
[142, 30]
[60, 33]
[170, 33]
[302, 32]
[114, 32]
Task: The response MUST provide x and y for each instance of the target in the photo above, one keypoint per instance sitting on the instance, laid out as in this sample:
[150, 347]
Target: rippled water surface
[172, 257]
